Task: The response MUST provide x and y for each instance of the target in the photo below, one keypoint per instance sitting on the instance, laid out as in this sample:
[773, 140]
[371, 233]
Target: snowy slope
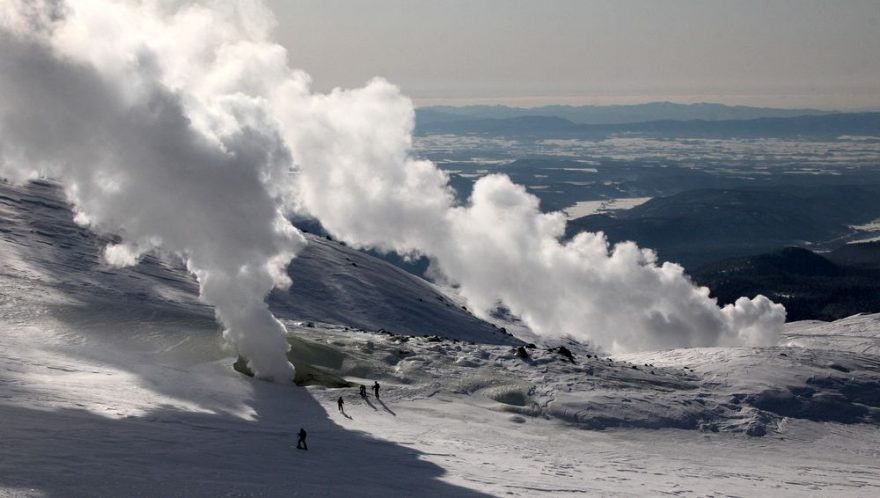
[333, 283]
[87, 413]
[116, 383]
[857, 333]
[739, 390]
[139, 401]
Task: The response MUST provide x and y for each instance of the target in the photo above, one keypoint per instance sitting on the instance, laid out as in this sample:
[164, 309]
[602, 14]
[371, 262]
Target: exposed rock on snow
[744, 390]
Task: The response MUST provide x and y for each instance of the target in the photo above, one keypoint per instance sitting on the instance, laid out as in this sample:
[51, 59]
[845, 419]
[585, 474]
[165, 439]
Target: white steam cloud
[125, 103]
[182, 128]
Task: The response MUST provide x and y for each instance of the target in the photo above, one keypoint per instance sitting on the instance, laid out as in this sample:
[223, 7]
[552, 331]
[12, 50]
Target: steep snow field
[40, 241]
[115, 383]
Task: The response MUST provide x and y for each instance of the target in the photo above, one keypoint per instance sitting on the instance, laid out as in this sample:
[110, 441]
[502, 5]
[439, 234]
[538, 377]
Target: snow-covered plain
[115, 383]
[585, 208]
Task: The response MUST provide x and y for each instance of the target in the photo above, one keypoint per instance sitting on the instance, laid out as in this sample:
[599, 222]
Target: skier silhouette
[376, 389]
[301, 441]
[339, 403]
[363, 391]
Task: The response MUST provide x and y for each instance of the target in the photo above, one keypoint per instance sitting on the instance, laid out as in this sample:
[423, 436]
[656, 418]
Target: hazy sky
[785, 53]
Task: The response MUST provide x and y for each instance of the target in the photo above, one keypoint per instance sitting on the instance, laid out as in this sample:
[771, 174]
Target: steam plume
[103, 106]
[357, 176]
[183, 128]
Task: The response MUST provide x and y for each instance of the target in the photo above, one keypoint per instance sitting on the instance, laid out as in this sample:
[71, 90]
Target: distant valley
[728, 192]
[812, 286]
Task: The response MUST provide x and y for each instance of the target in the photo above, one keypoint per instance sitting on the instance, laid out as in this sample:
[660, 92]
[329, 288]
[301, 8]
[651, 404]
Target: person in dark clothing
[363, 391]
[376, 389]
[301, 441]
[339, 403]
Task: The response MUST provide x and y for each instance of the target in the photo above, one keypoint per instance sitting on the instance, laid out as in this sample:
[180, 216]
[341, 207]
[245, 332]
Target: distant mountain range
[828, 125]
[610, 114]
[811, 286]
[700, 226]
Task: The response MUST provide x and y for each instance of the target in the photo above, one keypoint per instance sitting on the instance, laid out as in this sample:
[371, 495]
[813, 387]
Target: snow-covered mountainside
[39, 240]
[335, 284]
[116, 383]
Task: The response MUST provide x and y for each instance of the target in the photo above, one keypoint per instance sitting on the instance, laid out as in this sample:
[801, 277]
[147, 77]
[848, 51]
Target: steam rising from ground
[95, 94]
[183, 129]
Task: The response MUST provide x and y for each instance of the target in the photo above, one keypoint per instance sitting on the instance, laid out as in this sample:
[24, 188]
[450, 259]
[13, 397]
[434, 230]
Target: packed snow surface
[115, 382]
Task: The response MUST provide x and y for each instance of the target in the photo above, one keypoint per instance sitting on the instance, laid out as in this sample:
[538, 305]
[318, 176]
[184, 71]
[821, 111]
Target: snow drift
[183, 129]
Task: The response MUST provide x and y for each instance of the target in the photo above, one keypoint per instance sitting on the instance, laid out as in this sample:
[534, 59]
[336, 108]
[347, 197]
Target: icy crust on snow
[744, 390]
[332, 283]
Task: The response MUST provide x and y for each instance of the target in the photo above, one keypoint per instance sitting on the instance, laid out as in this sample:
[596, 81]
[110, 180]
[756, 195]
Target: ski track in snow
[115, 383]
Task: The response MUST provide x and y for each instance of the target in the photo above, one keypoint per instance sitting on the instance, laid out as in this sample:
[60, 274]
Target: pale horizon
[528, 102]
[776, 53]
